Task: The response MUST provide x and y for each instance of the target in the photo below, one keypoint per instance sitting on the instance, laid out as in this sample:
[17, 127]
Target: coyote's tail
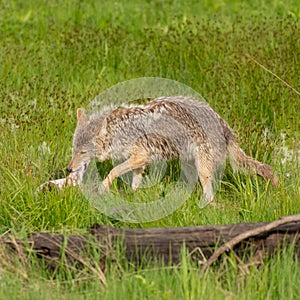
[240, 161]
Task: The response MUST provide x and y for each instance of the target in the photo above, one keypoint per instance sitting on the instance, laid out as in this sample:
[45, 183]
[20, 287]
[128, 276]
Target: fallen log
[161, 243]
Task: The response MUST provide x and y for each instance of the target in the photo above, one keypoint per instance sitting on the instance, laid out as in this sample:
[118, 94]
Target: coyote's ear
[81, 116]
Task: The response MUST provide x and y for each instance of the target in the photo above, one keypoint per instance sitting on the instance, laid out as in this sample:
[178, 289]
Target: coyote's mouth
[80, 169]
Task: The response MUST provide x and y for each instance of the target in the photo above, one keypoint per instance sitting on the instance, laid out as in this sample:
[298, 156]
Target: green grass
[56, 56]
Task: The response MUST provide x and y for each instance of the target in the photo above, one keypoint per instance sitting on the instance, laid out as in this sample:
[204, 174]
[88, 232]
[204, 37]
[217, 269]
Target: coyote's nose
[69, 170]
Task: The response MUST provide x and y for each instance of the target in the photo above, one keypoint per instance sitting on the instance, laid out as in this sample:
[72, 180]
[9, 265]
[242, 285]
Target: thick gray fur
[164, 128]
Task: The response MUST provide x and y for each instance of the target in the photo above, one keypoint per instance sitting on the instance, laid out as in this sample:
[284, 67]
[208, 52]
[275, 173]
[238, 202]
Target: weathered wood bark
[167, 243]
[157, 243]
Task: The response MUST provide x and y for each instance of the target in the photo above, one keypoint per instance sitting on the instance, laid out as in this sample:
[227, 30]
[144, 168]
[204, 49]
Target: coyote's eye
[82, 152]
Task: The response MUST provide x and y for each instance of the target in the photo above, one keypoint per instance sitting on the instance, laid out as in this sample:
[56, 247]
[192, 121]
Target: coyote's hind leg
[205, 172]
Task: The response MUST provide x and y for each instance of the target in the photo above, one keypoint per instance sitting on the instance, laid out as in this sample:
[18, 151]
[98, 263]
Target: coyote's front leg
[136, 163]
[137, 178]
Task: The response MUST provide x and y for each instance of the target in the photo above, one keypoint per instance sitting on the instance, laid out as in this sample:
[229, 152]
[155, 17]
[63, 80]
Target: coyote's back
[164, 128]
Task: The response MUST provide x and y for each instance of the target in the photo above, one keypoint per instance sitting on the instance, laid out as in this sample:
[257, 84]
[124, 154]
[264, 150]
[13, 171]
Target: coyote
[164, 128]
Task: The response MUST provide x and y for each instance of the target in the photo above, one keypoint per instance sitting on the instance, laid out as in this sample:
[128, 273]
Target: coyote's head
[84, 141]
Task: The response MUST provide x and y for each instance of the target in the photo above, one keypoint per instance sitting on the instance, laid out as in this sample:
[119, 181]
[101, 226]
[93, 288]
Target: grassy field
[242, 56]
